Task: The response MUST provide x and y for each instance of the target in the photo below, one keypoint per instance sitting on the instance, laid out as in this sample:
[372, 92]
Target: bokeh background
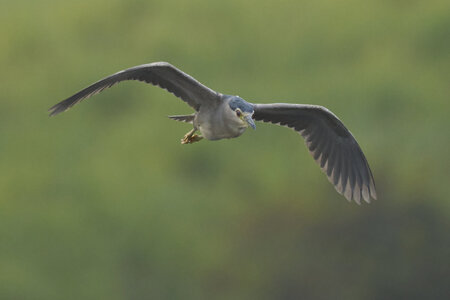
[103, 202]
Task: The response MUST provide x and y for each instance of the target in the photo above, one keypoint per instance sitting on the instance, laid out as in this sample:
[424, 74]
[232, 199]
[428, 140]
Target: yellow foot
[189, 139]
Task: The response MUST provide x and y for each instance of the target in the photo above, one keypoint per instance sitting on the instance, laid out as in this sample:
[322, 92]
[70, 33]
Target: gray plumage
[221, 116]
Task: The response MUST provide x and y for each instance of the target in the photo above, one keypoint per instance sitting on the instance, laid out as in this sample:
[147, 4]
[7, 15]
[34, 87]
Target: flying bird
[218, 116]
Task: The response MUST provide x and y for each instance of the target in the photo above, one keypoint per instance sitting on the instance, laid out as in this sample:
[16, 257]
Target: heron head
[243, 111]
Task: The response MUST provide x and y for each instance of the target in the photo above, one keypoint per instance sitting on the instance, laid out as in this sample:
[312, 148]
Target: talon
[189, 139]
[195, 138]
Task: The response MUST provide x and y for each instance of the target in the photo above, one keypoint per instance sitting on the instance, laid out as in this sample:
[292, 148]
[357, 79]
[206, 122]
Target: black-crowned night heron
[219, 116]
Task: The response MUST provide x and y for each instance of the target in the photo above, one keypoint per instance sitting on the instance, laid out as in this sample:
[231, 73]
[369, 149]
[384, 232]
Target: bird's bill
[249, 120]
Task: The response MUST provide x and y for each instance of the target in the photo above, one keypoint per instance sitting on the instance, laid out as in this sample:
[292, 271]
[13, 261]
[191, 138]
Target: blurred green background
[103, 202]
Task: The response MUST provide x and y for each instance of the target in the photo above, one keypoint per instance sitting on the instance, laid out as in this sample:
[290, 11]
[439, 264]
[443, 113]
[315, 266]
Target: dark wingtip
[60, 107]
[51, 112]
[54, 110]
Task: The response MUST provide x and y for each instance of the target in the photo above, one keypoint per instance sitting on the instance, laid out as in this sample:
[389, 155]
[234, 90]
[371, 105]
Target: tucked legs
[191, 137]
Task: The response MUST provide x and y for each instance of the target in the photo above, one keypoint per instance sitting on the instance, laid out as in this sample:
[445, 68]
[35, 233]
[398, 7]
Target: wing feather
[331, 144]
[161, 74]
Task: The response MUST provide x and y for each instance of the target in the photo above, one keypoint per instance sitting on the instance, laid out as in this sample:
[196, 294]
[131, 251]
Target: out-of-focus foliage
[103, 202]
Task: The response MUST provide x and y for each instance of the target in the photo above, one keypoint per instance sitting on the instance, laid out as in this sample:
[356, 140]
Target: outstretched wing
[161, 74]
[330, 143]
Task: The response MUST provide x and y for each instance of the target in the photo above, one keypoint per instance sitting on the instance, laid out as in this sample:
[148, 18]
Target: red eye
[238, 113]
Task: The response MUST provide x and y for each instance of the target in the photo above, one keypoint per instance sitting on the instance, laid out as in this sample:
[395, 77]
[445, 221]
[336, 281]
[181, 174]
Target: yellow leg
[190, 137]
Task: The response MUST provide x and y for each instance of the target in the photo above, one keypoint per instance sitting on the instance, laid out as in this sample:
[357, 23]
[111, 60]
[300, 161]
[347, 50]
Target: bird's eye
[238, 113]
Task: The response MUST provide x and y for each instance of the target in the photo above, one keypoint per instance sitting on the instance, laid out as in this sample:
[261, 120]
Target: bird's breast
[213, 132]
[217, 123]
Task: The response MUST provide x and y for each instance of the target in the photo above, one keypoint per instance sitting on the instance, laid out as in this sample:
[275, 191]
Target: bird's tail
[184, 118]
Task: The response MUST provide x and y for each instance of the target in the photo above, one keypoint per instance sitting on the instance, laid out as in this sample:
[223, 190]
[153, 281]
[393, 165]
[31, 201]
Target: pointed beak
[250, 121]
